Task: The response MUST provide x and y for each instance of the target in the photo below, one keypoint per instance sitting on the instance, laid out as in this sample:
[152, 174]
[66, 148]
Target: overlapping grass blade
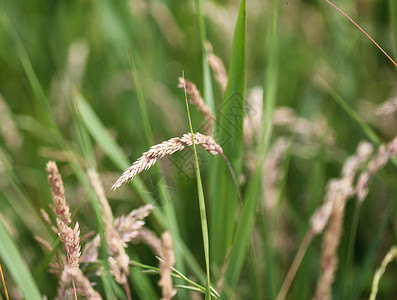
[208, 92]
[247, 216]
[20, 273]
[230, 136]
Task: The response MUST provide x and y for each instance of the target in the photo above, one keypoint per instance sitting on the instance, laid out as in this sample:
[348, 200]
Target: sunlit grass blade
[20, 273]
[230, 136]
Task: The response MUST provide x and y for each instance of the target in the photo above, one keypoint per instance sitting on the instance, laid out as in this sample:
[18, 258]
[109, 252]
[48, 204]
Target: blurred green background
[55, 55]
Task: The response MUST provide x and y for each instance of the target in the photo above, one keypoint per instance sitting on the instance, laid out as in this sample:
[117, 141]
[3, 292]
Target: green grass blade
[16, 266]
[230, 136]
[203, 213]
[43, 108]
[393, 19]
[247, 217]
[368, 131]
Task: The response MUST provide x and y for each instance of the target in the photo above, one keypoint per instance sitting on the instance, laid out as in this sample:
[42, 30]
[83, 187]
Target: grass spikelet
[391, 254]
[387, 108]
[61, 209]
[198, 101]
[166, 264]
[338, 193]
[217, 67]
[84, 286]
[118, 260]
[149, 158]
[384, 153]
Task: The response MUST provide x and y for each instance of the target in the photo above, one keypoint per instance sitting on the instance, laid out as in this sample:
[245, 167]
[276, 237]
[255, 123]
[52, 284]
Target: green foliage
[92, 84]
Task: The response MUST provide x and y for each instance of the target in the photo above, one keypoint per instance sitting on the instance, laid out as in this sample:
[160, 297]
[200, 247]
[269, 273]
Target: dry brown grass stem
[166, 264]
[149, 158]
[149, 238]
[198, 101]
[60, 207]
[118, 260]
[383, 155]
[84, 286]
[338, 193]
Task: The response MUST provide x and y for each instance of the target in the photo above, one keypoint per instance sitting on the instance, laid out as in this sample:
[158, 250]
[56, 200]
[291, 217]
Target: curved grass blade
[15, 264]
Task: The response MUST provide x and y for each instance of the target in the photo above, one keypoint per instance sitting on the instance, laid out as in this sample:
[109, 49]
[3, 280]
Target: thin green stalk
[203, 214]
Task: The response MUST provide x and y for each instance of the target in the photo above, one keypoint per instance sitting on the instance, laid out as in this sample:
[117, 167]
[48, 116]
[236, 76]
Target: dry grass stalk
[167, 262]
[84, 286]
[60, 208]
[338, 192]
[129, 227]
[383, 155]
[391, 254]
[217, 67]
[198, 101]
[118, 260]
[309, 131]
[149, 238]
[149, 158]
[70, 237]
[387, 108]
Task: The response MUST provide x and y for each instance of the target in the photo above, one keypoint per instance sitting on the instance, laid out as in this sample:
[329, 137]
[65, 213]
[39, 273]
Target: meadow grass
[90, 86]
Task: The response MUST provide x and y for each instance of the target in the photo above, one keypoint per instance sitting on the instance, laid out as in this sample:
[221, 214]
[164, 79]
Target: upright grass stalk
[390, 256]
[203, 214]
[168, 209]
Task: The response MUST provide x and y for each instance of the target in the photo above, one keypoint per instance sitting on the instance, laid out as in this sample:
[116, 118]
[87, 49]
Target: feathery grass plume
[391, 254]
[84, 286]
[118, 260]
[129, 227]
[149, 238]
[338, 192]
[309, 131]
[198, 101]
[71, 240]
[90, 251]
[217, 67]
[384, 153]
[387, 108]
[166, 264]
[149, 158]
[273, 162]
[61, 209]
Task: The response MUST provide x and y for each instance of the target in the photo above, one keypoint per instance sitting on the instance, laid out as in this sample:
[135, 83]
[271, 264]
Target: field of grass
[305, 111]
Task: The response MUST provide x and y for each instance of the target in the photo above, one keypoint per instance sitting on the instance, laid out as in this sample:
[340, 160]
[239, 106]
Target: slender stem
[4, 283]
[363, 31]
[203, 214]
[295, 265]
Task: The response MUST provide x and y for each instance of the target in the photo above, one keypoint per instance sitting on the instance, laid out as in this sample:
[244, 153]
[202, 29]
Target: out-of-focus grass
[66, 77]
